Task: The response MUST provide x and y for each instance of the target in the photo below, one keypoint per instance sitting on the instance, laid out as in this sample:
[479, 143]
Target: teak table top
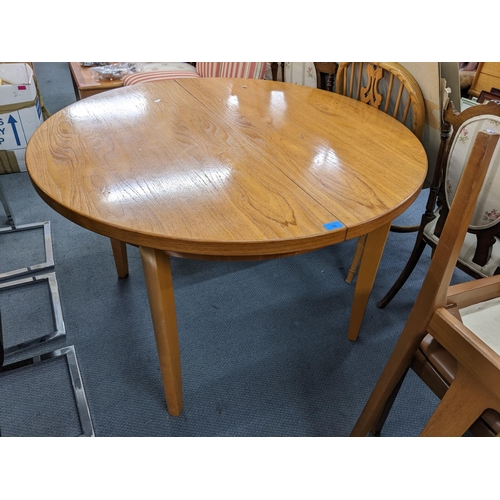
[221, 168]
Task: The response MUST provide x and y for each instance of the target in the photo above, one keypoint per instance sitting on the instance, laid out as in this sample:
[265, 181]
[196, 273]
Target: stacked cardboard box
[20, 114]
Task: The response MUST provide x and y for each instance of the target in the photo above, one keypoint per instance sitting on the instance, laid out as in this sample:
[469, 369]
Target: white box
[20, 115]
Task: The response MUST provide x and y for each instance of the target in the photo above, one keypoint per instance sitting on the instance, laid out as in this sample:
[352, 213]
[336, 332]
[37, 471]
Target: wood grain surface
[229, 168]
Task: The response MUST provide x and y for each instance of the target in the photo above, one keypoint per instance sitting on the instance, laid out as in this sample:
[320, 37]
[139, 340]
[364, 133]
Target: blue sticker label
[333, 225]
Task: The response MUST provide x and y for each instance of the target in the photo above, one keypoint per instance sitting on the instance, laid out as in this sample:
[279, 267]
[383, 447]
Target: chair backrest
[208, 69]
[487, 211]
[387, 86]
[232, 69]
[464, 127]
[434, 291]
[243, 70]
[325, 74]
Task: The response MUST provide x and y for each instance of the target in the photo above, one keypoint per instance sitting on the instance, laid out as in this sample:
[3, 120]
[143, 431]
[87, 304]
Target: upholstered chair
[480, 253]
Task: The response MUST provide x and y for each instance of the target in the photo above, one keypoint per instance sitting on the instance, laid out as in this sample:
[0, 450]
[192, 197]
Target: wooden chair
[274, 71]
[325, 75]
[392, 89]
[458, 318]
[479, 256]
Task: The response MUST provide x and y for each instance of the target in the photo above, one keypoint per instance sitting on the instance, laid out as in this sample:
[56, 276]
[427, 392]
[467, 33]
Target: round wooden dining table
[225, 169]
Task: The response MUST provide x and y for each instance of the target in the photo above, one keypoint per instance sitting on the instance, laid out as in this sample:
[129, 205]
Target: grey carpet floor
[264, 347]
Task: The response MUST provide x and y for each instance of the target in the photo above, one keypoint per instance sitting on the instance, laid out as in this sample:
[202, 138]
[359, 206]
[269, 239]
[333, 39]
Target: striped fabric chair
[209, 69]
[149, 72]
[162, 71]
[243, 70]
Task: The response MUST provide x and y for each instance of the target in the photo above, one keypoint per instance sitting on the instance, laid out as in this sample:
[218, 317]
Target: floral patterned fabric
[301, 73]
[487, 211]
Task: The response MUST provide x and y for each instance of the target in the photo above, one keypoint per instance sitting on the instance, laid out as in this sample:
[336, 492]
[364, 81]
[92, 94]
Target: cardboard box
[20, 115]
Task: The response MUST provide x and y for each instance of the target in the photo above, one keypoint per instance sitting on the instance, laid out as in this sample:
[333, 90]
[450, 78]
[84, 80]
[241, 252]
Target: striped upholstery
[209, 69]
[243, 70]
[203, 69]
[151, 76]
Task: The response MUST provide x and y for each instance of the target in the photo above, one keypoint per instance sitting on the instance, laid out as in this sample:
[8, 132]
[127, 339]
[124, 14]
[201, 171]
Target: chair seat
[166, 66]
[468, 250]
[484, 320]
[437, 364]
[153, 76]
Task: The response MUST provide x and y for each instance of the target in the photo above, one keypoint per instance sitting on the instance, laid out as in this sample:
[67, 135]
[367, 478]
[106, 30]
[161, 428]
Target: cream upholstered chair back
[487, 211]
[480, 254]
[386, 86]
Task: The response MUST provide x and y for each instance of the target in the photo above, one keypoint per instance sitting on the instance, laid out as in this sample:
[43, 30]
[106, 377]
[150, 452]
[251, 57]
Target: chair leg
[388, 405]
[461, 406]
[358, 253]
[405, 274]
[375, 410]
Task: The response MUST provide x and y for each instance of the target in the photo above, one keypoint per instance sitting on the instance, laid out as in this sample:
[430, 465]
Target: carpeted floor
[264, 346]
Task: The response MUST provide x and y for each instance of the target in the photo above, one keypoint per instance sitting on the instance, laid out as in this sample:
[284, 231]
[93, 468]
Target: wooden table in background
[487, 77]
[84, 83]
[225, 169]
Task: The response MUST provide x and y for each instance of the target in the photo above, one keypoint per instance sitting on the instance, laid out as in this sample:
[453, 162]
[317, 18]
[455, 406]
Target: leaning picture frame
[485, 96]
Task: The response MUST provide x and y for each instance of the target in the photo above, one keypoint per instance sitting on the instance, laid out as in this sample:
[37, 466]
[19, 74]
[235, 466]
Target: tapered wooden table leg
[120, 255]
[374, 247]
[160, 289]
